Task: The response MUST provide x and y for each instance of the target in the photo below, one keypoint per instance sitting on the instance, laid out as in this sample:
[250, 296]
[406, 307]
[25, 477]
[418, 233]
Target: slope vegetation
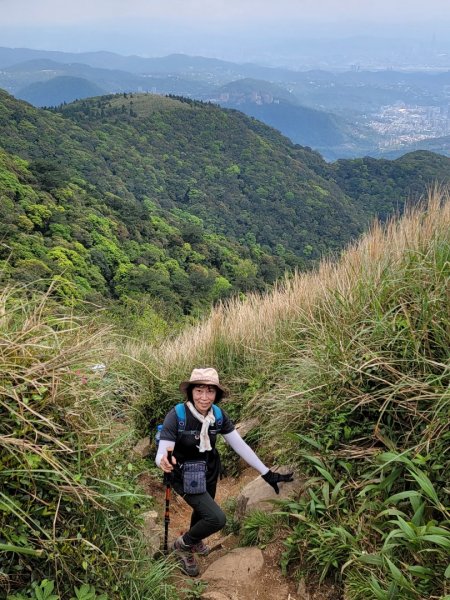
[347, 369]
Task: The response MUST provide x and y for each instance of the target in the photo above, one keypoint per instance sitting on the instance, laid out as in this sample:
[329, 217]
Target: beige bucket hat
[207, 376]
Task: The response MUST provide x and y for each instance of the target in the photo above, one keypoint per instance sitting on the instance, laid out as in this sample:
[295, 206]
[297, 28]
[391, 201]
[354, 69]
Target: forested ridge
[161, 206]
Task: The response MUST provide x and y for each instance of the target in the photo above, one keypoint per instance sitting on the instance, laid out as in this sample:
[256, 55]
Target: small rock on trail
[242, 574]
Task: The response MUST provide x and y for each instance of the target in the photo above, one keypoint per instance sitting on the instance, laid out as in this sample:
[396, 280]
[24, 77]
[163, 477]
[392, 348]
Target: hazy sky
[222, 28]
[44, 12]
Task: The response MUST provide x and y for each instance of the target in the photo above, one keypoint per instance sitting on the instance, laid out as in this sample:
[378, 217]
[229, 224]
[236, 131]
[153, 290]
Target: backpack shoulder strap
[180, 410]
[218, 414]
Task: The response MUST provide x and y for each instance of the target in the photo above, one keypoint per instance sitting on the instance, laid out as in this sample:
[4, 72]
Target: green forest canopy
[163, 205]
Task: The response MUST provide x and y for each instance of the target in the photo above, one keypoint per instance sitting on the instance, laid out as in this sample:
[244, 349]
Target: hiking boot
[185, 557]
[201, 548]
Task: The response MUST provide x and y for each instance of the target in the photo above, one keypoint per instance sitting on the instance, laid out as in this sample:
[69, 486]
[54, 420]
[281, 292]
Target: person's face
[203, 397]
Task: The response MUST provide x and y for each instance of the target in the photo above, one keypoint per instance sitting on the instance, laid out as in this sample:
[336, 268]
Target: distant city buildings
[400, 124]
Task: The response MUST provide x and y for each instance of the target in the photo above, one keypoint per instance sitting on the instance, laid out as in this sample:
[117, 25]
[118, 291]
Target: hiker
[190, 432]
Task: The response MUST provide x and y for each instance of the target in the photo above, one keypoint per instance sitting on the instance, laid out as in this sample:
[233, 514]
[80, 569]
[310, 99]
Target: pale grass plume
[252, 327]
[348, 342]
[258, 328]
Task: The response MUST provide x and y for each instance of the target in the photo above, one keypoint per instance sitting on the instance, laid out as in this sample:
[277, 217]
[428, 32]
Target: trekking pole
[167, 481]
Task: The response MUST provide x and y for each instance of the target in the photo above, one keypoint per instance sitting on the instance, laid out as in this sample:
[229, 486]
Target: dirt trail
[267, 584]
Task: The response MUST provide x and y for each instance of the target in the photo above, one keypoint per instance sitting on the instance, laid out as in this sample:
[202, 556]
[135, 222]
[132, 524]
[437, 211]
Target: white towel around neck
[210, 419]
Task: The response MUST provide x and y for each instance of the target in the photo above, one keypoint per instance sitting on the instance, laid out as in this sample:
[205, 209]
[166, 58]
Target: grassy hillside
[347, 369]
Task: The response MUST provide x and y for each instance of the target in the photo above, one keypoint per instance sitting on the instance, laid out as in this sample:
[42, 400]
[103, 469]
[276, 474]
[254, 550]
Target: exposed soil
[270, 584]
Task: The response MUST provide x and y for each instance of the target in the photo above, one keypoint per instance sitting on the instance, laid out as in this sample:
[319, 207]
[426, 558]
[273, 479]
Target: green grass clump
[69, 512]
[259, 528]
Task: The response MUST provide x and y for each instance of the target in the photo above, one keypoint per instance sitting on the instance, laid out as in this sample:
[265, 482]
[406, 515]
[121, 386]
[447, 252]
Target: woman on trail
[195, 462]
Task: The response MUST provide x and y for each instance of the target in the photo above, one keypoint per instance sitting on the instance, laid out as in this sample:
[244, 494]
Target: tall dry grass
[362, 404]
[48, 423]
[249, 340]
[66, 510]
[379, 331]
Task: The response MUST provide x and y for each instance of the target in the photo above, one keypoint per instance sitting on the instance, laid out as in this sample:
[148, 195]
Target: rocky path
[231, 572]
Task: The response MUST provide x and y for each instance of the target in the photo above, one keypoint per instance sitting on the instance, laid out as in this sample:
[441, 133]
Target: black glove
[274, 479]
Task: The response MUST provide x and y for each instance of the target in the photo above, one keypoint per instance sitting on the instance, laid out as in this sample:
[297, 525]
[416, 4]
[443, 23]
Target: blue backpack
[180, 409]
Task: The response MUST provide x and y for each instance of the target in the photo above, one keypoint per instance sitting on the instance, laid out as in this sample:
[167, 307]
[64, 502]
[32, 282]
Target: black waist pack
[194, 477]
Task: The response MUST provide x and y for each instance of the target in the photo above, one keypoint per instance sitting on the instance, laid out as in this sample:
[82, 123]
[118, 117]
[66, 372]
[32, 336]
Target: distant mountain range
[336, 114]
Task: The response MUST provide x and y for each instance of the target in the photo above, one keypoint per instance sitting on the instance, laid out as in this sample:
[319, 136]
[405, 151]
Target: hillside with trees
[380, 185]
[62, 232]
[172, 205]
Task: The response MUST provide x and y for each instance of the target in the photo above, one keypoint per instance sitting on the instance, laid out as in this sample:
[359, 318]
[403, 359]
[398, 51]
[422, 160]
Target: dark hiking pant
[207, 516]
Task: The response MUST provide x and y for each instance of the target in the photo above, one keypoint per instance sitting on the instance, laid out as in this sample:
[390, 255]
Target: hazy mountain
[59, 90]
[174, 63]
[340, 114]
[18, 76]
[330, 134]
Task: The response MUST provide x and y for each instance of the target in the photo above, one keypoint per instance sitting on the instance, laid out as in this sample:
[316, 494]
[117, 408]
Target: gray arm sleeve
[244, 451]
[163, 446]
